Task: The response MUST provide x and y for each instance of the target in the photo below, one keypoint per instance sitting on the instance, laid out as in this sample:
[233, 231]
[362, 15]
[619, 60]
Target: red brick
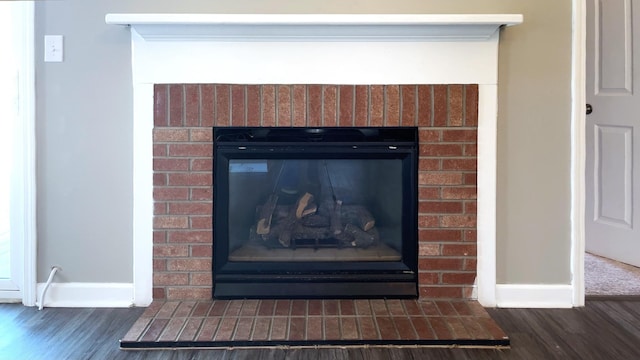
[253, 105]
[330, 112]
[377, 105]
[207, 102]
[268, 105]
[393, 105]
[470, 178]
[459, 193]
[408, 93]
[428, 164]
[314, 105]
[188, 293]
[159, 237]
[201, 279]
[440, 235]
[440, 292]
[170, 279]
[160, 208]
[201, 135]
[237, 105]
[345, 117]
[160, 107]
[427, 249]
[428, 193]
[191, 179]
[455, 135]
[459, 164]
[192, 105]
[444, 264]
[459, 250]
[441, 150]
[458, 278]
[159, 179]
[190, 236]
[201, 194]
[190, 208]
[201, 165]
[455, 105]
[429, 136]
[170, 135]
[201, 250]
[437, 207]
[428, 278]
[223, 103]
[170, 250]
[471, 105]
[189, 264]
[199, 150]
[170, 164]
[159, 265]
[424, 105]
[176, 105]
[160, 194]
[470, 235]
[284, 105]
[160, 150]
[158, 293]
[470, 150]
[440, 105]
[439, 178]
[299, 105]
[361, 115]
[425, 221]
[470, 207]
[470, 264]
[201, 222]
[170, 222]
[458, 221]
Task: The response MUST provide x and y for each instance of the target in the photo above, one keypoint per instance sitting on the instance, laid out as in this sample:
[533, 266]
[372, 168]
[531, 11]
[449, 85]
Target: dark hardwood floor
[603, 329]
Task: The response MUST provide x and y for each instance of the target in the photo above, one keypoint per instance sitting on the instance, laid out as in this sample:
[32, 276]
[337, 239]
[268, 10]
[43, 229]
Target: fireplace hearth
[315, 212]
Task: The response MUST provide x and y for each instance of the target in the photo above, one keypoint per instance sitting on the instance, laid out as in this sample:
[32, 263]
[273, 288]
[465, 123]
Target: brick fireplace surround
[447, 118]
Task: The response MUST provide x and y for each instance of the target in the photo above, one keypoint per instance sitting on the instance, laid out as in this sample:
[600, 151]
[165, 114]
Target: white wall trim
[88, 294]
[534, 296]
[23, 182]
[578, 151]
[143, 194]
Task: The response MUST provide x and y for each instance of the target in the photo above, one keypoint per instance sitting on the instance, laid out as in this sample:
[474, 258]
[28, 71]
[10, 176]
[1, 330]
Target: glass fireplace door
[313, 213]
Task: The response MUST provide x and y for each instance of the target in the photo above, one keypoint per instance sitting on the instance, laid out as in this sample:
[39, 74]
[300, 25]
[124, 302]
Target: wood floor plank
[601, 330]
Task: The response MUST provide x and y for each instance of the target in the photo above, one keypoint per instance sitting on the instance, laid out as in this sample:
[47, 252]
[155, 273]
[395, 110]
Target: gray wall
[84, 131]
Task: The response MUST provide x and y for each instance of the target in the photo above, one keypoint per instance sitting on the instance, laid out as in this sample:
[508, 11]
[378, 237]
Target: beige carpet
[607, 277]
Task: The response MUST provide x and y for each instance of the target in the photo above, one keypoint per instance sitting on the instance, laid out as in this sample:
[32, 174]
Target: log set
[305, 225]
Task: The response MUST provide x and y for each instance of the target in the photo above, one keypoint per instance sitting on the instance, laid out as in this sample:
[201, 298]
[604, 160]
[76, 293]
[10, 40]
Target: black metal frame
[315, 279]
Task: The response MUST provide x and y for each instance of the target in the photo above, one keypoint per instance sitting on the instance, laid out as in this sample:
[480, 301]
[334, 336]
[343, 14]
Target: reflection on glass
[315, 210]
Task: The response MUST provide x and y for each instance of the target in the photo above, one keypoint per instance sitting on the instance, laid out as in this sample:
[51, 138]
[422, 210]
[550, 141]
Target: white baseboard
[534, 296]
[87, 294]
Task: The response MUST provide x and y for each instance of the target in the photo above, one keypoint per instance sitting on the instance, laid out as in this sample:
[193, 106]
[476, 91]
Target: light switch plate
[53, 48]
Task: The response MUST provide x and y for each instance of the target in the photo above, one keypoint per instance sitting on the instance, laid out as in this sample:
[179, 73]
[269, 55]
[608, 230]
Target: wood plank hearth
[302, 323]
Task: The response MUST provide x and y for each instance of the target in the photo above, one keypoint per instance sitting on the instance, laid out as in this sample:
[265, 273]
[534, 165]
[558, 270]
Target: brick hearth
[447, 118]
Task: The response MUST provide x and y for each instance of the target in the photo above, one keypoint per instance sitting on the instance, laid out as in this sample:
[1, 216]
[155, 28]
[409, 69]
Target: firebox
[315, 212]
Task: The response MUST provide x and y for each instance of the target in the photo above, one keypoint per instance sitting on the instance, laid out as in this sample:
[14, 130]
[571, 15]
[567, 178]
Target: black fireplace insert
[315, 212]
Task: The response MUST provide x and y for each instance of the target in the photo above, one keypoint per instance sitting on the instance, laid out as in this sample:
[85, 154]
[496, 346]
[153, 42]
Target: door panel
[612, 209]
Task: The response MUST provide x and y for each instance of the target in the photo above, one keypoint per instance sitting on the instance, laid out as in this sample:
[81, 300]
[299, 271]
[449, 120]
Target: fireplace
[315, 212]
[174, 54]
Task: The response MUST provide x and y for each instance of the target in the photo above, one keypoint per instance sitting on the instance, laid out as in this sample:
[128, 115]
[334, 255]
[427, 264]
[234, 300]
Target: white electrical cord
[54, 269]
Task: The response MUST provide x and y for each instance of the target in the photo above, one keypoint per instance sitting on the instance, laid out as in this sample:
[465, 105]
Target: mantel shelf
[300, 27]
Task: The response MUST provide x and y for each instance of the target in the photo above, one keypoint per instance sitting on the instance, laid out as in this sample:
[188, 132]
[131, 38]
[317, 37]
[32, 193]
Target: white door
[613, 130]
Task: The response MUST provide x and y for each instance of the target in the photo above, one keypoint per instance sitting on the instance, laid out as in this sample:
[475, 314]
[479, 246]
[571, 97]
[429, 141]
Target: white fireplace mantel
[314, 49]
[426, 27]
